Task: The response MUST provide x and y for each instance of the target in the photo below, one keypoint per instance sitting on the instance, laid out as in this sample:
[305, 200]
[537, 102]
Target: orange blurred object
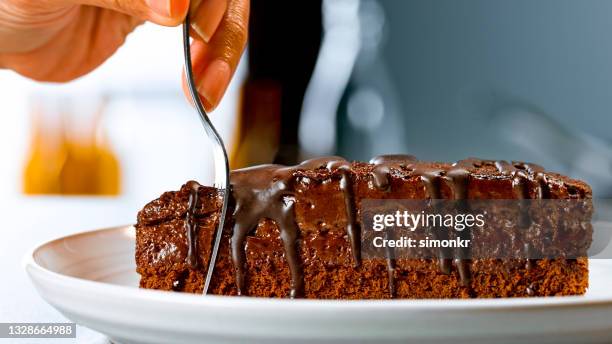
[70, 162]
[256, 136]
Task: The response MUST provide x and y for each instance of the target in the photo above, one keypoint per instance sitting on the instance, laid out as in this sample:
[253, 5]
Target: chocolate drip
[267, 192]
[381, 177]
[465, 273]
[543, 192]
[383, 165]
[520, 188]
[353, 229]
[431, 179]
[456, 178]
[191, 227]
[522, 175]
[390, 252]
[445, 264]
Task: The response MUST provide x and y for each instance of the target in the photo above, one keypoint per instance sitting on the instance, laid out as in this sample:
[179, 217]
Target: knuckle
[231, 43]
[237, 32]
[237, 22]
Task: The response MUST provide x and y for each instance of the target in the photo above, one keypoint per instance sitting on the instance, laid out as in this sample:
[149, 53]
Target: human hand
[59, 40]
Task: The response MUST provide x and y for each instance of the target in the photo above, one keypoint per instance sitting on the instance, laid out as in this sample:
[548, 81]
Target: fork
[221, 162]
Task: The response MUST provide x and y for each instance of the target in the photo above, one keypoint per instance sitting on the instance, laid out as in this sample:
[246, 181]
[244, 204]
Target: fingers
[212, 77]
[215, 58]
[162, 12]
[206, 17]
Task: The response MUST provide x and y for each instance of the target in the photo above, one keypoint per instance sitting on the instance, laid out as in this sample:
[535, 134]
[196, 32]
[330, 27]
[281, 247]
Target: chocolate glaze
[456, 178]
[264, 192]
[381, 179]
[191, 227]
[522, 175]
[346, 186]
[267, 192]
[431, 178]
[383, 165]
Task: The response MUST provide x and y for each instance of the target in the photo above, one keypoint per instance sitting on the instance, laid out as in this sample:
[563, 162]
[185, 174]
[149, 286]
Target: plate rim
[32, 267]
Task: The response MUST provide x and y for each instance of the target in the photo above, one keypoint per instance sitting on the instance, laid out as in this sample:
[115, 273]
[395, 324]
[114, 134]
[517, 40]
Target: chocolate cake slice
[296, 232]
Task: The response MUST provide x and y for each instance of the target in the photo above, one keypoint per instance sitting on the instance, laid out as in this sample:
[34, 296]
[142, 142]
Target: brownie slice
[295, 232]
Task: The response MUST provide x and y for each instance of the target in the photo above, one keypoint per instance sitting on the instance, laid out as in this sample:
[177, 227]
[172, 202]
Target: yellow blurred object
[47, 155]
[62, 162]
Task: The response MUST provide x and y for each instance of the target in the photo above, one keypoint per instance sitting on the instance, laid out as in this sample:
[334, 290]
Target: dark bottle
[284, 41]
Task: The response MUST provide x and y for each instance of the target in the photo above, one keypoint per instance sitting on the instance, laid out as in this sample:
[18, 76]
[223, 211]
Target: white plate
[90, 277]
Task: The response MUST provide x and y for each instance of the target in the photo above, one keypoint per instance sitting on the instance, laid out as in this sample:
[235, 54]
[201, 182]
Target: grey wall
[451, 58]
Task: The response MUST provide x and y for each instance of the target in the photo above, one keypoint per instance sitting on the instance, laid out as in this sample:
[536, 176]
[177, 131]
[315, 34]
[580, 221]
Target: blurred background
[443, 80]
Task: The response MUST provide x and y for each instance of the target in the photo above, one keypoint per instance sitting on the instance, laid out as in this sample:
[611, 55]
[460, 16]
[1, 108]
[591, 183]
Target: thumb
[162, 12]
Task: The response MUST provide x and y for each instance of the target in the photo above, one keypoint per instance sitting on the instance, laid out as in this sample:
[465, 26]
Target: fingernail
[161, 7]
[208, 17]
[214, 82]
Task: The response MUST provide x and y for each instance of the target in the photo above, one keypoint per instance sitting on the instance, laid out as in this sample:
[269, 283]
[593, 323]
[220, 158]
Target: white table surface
[27, 221]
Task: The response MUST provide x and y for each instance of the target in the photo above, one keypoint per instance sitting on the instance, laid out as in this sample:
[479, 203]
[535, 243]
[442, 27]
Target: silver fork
[221, 161]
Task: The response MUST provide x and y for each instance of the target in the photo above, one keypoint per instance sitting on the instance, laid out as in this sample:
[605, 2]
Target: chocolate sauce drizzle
[191, 227]
[268, 192]
[381, 174]
[457, 179]
[522, 174]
